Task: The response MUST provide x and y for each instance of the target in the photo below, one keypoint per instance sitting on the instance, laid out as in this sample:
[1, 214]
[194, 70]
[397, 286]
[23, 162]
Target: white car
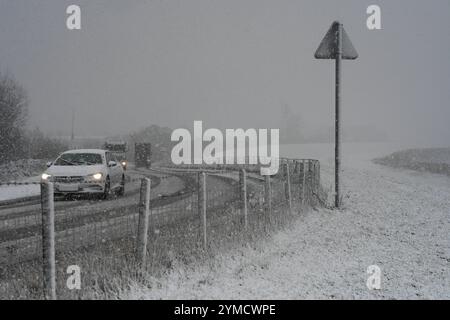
[91, 171]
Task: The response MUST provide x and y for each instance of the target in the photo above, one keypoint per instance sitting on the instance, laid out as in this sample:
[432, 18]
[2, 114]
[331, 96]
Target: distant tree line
[16, 141]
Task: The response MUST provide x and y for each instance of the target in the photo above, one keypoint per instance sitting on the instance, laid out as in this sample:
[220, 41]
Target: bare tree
[13, 116]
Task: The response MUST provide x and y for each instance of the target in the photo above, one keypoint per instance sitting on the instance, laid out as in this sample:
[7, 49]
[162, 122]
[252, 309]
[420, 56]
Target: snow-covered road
[396, 219]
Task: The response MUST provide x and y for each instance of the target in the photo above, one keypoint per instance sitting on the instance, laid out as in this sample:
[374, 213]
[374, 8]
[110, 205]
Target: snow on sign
[329, 47]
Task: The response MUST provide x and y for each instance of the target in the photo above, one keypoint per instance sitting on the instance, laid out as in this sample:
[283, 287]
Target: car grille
[68, 179]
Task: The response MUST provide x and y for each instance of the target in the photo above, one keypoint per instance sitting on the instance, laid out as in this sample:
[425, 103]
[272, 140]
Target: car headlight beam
[45, 176]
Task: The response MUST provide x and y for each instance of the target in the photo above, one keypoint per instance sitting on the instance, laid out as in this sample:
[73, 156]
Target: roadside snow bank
[16, 192]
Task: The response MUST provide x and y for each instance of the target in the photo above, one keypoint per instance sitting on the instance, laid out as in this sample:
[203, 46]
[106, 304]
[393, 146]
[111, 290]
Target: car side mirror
[112, 164]
[49, 164]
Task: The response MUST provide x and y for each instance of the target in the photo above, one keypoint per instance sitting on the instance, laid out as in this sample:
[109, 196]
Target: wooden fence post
[268, 196]
[288, 187]
[313, 177]
[202, 205]
[143, 225]
[297, 166]
[318, 178]
[243, 193]
[48, 240]
[310, 179]
[303, 177]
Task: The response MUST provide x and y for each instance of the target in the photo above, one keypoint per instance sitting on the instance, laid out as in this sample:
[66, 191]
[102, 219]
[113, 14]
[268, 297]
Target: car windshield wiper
[67, 161]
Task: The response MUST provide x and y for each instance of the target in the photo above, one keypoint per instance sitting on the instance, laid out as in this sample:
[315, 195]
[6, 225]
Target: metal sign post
[337, 45]
[337, 124]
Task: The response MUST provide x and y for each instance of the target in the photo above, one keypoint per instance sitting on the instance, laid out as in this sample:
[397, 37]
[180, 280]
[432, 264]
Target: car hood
[75, 170]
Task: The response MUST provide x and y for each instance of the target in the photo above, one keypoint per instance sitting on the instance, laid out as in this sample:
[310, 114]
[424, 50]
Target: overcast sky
[230, 63]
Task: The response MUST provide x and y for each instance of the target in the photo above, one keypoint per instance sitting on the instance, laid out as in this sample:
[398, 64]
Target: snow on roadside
[20, 171]
[11, 192]
[398, 220]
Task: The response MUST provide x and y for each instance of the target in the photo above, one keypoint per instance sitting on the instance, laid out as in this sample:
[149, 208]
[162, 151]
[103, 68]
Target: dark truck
[119, 150]
[142, 154]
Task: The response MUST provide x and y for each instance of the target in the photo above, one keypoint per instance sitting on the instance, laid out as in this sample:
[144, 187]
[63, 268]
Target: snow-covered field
[427, 155]
[396, 219]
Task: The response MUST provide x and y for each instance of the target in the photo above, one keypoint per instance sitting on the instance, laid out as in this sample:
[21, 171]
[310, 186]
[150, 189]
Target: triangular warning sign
[329, 46]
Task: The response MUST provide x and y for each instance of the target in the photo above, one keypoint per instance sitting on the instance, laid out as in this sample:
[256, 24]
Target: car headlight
[45, 176]
[97, 176]
[93, 177]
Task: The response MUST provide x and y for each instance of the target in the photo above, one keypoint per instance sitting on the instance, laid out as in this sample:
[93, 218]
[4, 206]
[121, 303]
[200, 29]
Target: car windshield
[78, 159]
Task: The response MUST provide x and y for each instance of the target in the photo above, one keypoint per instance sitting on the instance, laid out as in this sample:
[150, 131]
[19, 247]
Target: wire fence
[182, 210]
